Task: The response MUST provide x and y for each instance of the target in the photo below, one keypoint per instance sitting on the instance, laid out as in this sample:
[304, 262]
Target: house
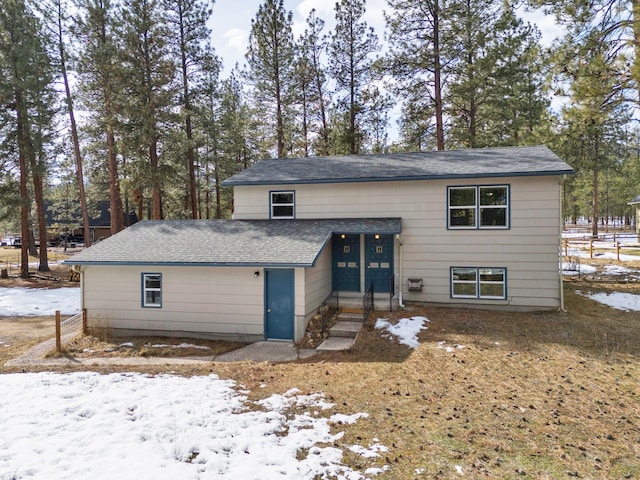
[475, 228]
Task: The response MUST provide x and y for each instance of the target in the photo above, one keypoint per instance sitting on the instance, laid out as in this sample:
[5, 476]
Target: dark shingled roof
[471, 163]
[292, 243]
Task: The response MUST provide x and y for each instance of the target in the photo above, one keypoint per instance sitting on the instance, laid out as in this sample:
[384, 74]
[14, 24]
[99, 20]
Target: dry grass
[531, 395]
[10, 259]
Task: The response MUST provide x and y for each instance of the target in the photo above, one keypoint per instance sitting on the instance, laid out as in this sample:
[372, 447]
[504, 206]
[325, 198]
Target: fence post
[618, 250]
[591, 248]
[84, 321]
[58, 339]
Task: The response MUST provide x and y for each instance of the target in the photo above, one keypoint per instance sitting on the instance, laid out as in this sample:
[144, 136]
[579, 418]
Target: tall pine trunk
[438, 77]
[24, 194]
[74, 133]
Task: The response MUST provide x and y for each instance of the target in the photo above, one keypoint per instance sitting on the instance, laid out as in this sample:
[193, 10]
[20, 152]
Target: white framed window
[478, 207]
[152, 290]
[282, 204]
[479, 282]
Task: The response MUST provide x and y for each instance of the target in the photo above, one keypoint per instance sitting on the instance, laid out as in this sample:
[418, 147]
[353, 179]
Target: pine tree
[312, 50]
[54, 11]
[270, 58]
[26, 90]
[595, 115]
[416, 30]
[149, 72]
[493, 73]
[350, 62]
[188, 19]
[100, 85]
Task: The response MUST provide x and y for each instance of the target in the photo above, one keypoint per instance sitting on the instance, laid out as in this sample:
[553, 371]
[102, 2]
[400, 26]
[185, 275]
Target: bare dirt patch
[58, 276]
[92, 346]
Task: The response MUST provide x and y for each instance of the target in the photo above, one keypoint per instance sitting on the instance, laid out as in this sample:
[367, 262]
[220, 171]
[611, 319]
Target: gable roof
[471, 163]
[635, 201]
[291, 243]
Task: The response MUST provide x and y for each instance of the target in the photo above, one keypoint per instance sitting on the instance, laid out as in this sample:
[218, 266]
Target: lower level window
[478, 282]
[152, 290]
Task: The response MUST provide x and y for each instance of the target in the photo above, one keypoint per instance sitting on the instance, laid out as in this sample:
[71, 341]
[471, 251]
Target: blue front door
[279, 304]
[345, 260]
[378, 261]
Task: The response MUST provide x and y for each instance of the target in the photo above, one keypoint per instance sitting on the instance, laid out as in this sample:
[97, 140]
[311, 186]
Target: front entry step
[345, 329]
[352, 316]
[336, 344]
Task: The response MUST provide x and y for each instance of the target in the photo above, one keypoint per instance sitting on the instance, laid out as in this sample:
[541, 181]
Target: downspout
[400, 272]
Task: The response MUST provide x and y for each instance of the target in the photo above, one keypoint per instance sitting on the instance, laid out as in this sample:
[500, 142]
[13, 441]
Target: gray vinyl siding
[528, 249]
[195, 301]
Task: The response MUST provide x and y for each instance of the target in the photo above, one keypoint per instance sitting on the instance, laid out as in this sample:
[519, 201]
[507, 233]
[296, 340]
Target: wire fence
[70, 328]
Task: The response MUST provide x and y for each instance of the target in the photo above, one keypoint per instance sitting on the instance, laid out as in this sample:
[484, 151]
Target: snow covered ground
[28, 302]
[132, 426]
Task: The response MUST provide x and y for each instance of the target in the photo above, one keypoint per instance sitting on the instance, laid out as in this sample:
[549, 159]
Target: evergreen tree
[350, 64]
[57, 18]
[188, 19]
[415, 33]
[494, 93]
[312, 50]
[100, 85]
[149, 72]
[592, 131]
[270, 57]
[26, 91]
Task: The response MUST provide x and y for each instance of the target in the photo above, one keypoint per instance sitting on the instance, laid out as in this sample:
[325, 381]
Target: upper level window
[282, 204]
[152, 290]
[478, 207]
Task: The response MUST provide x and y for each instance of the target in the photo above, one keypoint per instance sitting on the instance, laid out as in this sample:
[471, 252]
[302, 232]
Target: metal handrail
[328, 308]
[367, 303]
[392, 290]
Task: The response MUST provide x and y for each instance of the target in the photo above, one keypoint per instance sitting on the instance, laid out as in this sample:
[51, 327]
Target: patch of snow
[407, 329]
[618, 300]
[449, 348]
[459, 470]
[372, 451]
[162, 427]
[126, 344]
[31, 302]
[569, 268]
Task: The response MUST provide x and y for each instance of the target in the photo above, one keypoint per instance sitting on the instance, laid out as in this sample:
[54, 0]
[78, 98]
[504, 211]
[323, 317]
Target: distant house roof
[471, 163]
[635, 201]
[292, 243]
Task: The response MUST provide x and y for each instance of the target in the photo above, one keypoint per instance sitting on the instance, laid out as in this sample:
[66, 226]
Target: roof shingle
[471, 163]
[226, 242]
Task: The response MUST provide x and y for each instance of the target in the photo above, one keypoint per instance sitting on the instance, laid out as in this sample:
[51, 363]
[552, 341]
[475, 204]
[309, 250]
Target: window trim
[272, 205]
[145, 289]
[478, 283]
[477, 208]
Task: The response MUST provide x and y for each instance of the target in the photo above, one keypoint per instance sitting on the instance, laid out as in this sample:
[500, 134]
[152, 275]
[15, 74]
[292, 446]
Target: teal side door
[378, 261]
[345, 258]
[279, 304]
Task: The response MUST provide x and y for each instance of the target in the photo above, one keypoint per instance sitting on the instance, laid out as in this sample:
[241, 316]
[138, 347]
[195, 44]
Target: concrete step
[350, 316]
[345, 329]
[336, 344]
